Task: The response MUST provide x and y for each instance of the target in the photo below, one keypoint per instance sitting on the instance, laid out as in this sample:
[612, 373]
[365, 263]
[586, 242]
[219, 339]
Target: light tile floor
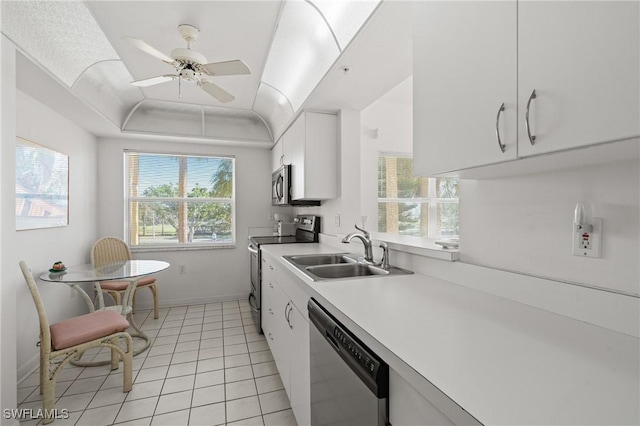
[206, 366]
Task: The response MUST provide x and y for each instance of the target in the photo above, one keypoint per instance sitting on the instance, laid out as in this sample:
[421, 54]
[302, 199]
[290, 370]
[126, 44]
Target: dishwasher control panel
[368, 363]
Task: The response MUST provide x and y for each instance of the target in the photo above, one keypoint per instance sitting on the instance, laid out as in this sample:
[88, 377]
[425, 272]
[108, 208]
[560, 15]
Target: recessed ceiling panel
[345, 17]
[303, 50]
[167, 118]
[274, 107]
[106, 86]
[228, 30]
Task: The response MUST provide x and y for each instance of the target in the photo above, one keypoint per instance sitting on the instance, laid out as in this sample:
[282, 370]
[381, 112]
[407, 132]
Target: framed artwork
[42, 186]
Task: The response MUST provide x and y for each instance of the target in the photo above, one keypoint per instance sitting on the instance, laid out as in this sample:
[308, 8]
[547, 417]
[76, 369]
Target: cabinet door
[464, 60]
[321, 156]
[269, 299]
[294, 149]
[279, 337]
[276, 155]
[300, 370]
[582, 58]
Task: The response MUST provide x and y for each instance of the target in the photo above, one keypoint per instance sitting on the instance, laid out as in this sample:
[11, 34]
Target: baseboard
[192, 301]
[28, 367]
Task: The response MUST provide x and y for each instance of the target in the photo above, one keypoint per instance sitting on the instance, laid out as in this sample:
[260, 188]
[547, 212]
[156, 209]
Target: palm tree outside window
[180, 200]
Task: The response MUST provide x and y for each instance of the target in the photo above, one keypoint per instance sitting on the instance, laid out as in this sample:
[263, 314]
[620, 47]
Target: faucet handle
[364, 231]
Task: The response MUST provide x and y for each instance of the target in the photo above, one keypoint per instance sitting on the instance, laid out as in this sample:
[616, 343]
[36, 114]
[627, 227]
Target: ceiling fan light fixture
[188, 55]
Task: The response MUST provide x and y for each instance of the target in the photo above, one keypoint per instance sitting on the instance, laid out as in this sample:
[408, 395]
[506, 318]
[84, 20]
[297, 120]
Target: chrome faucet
[365, 237]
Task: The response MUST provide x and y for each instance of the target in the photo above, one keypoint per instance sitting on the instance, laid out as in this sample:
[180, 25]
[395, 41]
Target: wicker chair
[111, 249]
[69, 339]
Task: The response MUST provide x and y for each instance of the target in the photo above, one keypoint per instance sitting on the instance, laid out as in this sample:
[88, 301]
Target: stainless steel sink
[321, 259]
[324, 267]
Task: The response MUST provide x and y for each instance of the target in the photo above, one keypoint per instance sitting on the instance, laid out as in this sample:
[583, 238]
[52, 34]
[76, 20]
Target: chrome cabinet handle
[500, 144]
[532, 139]
[286, 308]
[288, 315]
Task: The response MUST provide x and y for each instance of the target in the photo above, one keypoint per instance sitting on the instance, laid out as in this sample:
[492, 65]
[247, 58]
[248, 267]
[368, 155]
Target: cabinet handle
[532, 139]
[271, 311]
[270, 336]
[500, 144]
[270, 285]
[286, 308]
[288, 314]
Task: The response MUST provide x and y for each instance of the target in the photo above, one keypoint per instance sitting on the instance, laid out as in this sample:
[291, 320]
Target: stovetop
[259, 240]
[307, 230]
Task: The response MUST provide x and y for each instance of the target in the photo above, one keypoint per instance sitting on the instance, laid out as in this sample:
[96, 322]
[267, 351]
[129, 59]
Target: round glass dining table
[130, 270]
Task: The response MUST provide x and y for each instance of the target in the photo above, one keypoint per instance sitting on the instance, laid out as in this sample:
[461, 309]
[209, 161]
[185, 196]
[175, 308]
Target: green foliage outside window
[418, 206]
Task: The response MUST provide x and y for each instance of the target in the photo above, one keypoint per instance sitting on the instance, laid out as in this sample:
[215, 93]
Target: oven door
[255, 299]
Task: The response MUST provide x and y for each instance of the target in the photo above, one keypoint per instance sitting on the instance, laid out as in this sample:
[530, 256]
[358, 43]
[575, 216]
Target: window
[418, 206]
[179, 200]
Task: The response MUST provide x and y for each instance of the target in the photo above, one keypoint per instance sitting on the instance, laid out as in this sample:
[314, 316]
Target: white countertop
[503, 362]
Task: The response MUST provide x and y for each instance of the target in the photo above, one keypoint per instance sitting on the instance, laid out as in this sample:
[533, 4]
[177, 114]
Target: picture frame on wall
[42, 186]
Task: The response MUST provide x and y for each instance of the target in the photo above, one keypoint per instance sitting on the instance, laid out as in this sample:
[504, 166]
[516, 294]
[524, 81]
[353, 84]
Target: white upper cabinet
[580, 57]
[311, 147]
[277, 156]
[465, 68]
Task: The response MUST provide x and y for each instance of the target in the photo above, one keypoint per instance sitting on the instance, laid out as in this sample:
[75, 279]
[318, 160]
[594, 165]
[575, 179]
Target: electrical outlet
[182, 269]
[588, 244]
[336, 220]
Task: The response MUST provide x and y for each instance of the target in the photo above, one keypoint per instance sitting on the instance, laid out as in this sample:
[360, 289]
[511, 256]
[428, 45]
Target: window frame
[189, 200]
[432, 201]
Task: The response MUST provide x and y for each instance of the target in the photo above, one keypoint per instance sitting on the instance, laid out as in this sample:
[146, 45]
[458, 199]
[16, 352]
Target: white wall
[386, 127]
[7, 292]
[215, 274]
[41, 247]
[525, 224]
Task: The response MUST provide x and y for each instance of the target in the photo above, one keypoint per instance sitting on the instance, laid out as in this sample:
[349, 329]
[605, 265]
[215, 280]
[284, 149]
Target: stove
[307, 230]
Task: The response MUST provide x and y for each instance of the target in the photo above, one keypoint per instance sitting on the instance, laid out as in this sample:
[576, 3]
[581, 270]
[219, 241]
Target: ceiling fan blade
[216, 91]
[228, 68]
[154, 80]
[147, 48]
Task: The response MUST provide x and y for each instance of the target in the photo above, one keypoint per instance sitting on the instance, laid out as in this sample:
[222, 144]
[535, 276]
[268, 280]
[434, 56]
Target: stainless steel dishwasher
[349, 383]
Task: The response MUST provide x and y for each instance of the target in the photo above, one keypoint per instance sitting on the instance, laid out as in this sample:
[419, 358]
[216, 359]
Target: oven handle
[252, 249]
[253, 307]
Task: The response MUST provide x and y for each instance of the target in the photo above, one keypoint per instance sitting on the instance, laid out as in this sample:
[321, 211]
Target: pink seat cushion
[122, 285]
[85, 328]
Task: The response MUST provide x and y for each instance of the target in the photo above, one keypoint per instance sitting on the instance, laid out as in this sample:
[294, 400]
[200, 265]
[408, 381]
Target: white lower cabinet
[287, 332]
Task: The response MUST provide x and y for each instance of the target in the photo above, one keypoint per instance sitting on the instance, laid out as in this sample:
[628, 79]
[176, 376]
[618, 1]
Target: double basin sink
[321, 267]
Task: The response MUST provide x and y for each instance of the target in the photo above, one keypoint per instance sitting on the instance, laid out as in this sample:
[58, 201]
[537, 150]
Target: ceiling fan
[191, 66]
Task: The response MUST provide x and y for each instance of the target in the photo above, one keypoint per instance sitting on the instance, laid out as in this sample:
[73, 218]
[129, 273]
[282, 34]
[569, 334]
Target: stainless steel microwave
[281, 186]
[281, 189]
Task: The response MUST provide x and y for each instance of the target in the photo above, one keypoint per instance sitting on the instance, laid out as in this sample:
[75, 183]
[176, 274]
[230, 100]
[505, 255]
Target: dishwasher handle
[371, 370]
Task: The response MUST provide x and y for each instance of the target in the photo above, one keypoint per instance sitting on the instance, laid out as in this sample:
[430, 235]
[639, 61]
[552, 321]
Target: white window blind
[180, 201]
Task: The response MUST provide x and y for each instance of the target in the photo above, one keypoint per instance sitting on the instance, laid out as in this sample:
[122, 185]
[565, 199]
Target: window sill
[146, 249]
[416, 245]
